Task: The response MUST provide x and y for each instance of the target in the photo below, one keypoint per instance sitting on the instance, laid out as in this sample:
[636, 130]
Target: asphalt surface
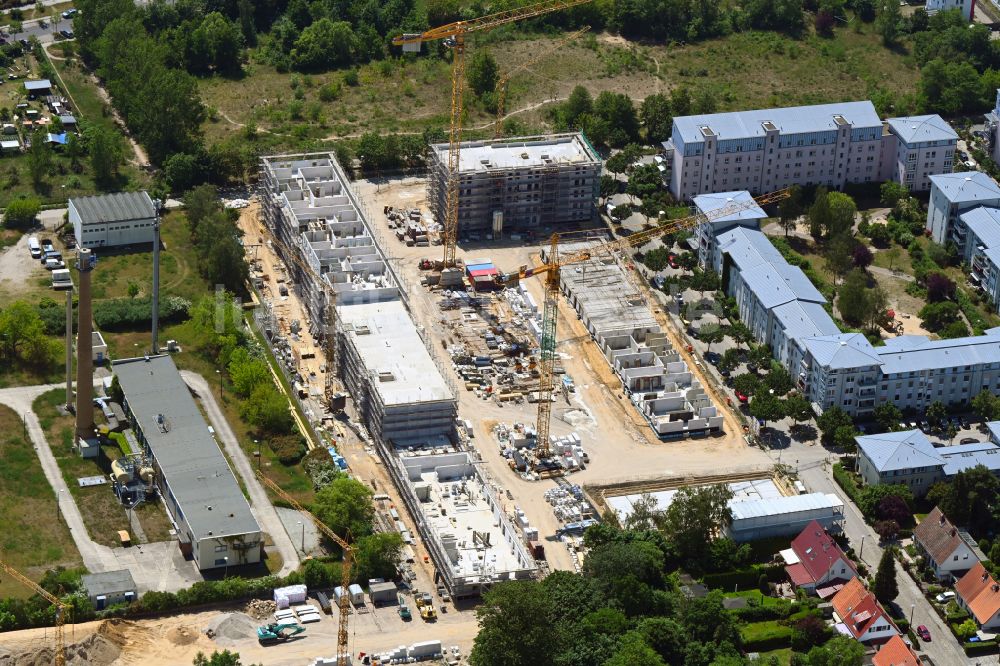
[33, 28]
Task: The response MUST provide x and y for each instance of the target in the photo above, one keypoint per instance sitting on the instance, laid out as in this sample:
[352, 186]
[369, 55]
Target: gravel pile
[231, 628]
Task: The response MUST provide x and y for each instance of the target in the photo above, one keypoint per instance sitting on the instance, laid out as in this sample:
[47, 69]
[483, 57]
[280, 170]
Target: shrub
[125, 313]
[288, 448]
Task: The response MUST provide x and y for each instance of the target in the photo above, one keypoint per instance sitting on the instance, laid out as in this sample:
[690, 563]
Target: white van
[61, 279]
[52, 264]
[34, 247]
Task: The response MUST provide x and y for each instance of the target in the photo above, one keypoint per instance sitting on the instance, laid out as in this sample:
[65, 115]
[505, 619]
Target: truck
[61, 279]
[404, 612]
[34, 247]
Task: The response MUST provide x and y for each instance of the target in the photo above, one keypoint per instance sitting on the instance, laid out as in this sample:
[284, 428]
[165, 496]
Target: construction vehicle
[344, 603]
[62, 609]
[427, 613]
[550, 310]
[454, 35]
[278, 632]
[502, 83]
[404, 612]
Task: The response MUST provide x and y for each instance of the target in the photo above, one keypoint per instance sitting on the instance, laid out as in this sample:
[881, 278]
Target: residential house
[857, 613]
[816, 563]
[895, 652]
[953, 194]
[108, 588]
[906, 457]
[950, 551]
[979, 594]
[37, 87]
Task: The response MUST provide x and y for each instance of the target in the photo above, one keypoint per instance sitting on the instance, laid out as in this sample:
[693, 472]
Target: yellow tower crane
[454, 36]
[504, 80]
[551, 270]
[62, 609]
[343, 654]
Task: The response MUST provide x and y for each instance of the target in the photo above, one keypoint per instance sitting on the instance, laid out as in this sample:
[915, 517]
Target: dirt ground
[620, 443]
[177, 639]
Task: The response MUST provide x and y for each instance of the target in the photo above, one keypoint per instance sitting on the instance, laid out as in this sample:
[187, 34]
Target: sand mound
[181, 636]
[95, 650]
[230, 628]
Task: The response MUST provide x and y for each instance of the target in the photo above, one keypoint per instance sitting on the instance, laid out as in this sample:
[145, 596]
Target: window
[221, 548]
[220, 562]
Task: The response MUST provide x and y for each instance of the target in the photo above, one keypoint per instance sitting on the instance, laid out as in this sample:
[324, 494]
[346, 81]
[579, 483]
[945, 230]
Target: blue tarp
[56, 138]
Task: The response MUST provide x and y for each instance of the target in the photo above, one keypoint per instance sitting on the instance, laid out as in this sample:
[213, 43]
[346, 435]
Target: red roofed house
[895, 653]
[979, 594]
[815, 561]
[949, 550]
[858, 613]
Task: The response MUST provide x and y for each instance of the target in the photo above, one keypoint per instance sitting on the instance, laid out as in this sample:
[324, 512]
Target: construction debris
[261, 609]
[228, 629]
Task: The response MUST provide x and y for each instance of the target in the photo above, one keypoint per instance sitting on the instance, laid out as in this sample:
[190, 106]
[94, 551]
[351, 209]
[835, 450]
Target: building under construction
[525, 183]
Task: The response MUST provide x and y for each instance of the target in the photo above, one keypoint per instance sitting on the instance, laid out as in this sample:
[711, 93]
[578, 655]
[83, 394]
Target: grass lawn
[783, 655]
[32, 539]
[761, 599]
[102, 513]
[762, 631]
[742, 71]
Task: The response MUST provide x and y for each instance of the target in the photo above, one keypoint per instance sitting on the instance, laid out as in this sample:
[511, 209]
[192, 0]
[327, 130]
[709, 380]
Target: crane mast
[454, 35]
[62, 609]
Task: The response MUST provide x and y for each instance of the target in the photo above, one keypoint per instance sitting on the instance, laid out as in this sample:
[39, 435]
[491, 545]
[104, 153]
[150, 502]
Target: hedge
[763, 613]
[980, 647]
[765, 636]
[125, 313]
[746, 578]
[971, 312]
[846, 482]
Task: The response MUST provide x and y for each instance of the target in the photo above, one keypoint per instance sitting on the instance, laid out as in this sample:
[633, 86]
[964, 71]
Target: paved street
[263, 510]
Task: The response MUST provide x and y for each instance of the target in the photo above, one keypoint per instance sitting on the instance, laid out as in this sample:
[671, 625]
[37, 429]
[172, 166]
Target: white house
[950, 551]
[112, 220]
[856, 610]
[979, 594]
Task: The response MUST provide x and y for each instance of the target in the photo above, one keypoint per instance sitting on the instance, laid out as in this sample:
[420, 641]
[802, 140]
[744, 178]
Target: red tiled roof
[857, 608]
[895, 653]
[980, 593]
[798, 574]
[817, 550]
[937, 535]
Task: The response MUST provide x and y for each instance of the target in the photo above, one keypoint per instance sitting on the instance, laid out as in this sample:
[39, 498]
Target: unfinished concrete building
[652, 372]
[525, 183]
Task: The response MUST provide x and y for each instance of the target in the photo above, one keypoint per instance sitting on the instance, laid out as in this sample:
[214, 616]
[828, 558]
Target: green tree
[842, 213]
[972, 498]
[838, 651]
[378, 555]
[482, 72]
[267, 409]
[693, 519]
[832, 419]
[516, 627]
[656, 118]
[891, 192]
[986, 405]
[224, 658]
[20, 327]
[790, 209]
[710, 335]
[936, 316]
[39, 159]
[74, 151]
[609, 186]
[617, 110]
[106, 154]
[740, 333]
[747, 383]
[634, 651]
[852, 297]
[798, 408]
[839, 255]
[578, 104]
[220, 253]
[966, 630]
[819, 214]
[216, 44]
[936, 412]
[778, 379]
[324, 44]
[767, 407]
[247, 373]
[317, 574]
[22, 213]
[887, 21]
[345, 506]
[809, 632]
[133, 288]
[884, 586]
[887, 415]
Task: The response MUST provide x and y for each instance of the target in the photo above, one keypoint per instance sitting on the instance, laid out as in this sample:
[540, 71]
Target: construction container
[357, 595]
[424, 650]
[382, 593]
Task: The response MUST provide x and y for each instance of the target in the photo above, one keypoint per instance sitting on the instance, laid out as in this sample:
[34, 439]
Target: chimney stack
[84, 350]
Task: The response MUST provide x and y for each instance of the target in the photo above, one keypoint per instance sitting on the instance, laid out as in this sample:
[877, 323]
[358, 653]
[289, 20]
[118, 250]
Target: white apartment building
[993, 129]
[981, 249]
[967, 7]
[705, 235]
[828, 144]
[951, 195]
[925, 146]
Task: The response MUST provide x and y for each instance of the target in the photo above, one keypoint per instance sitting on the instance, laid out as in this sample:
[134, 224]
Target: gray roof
[962, 457]
[67, 119]
[985, 224]
[193, 467]
[843, 350]
[918, 353]
[802, 319]
[108, 582]
[994, 428]
[776, 283]
[966, 186]
[748, 247]
[899, 450]
[777, 506]
[707, 203]
[117, 207]
[38, 84]
[790, 120]
[919, 129]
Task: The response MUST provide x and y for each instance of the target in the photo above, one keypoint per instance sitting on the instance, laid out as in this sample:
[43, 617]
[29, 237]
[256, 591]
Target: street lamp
[256, 446]
[219, 372]
[912, 606]
[226, 574]
[862, 549]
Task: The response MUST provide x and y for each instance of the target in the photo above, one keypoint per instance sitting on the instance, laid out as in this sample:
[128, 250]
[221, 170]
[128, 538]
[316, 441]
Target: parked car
[672, 261]
[944, 597]
[66, 34]
[47, 245]
[52, 264]
[924, 633]
[43, 23]
[965, 422]
[24, 42]
[69, 13]
[742, 398]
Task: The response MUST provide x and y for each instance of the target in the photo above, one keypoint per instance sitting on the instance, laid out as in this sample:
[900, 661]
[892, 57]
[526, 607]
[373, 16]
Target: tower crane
[62, 609]
[501, 88]
[551, 270]
[343, 655]
[454, 35]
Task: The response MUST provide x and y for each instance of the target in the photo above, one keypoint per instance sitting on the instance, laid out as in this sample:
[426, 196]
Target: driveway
[943, 648]
[262, 508]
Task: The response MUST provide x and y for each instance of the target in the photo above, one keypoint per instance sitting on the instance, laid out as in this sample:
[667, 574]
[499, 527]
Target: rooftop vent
[362, 329]
[386, 376]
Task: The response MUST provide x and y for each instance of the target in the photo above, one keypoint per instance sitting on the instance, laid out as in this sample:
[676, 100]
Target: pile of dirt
[231, 628]
[261, 609]
[95, 650]
[181, 636]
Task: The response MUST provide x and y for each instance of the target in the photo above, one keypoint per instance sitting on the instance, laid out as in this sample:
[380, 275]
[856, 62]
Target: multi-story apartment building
[840, 370]
[925, 146]
[967, 7]
[993, 129]
[705, 235]
[951, 195]
[828, 144]
[519, 183]
[981, 249]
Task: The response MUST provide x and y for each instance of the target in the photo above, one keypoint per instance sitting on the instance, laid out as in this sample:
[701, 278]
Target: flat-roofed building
[212, 518]
[519, 183]
[112, 220]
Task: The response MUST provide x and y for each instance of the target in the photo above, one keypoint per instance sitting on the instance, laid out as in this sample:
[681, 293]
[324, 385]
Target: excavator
[278, 632]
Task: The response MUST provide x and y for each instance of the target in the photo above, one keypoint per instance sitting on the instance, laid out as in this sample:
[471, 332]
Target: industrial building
[108, 588]
[113, 220]
[525, 183]
[659, 383]
[827, 144]
[212, 519]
